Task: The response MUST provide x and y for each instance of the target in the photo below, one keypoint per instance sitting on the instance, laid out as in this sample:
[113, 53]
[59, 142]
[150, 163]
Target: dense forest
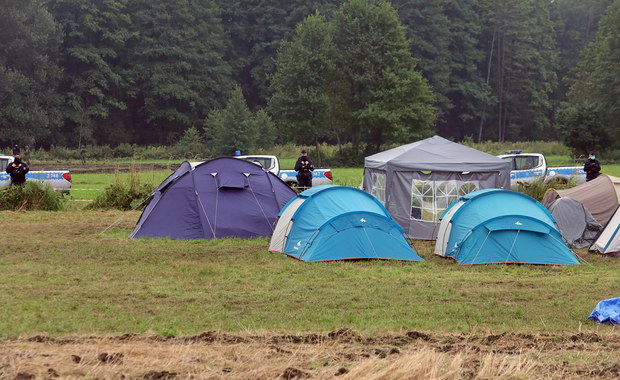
[236, 74]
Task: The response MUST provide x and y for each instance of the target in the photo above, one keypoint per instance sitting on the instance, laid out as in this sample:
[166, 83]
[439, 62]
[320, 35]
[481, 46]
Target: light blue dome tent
[339, 223]
[500, 226]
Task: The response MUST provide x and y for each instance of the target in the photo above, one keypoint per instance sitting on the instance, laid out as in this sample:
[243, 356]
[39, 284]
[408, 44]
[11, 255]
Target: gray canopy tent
[416, 182]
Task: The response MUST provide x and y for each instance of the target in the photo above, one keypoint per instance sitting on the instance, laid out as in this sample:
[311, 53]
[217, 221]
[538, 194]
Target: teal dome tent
[500, 226]
[338, 223]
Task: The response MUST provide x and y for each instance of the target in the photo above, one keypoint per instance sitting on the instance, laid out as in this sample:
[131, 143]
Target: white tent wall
[445, 227]
[283, 226]
[609, 240]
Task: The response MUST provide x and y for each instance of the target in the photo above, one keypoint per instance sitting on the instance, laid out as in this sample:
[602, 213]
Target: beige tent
[600, 196]
[609, 240]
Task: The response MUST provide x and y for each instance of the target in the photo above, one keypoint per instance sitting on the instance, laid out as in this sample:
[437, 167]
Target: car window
[512, 162]
[265, 162]
[261, 161]
[4, 163]
[525, 162]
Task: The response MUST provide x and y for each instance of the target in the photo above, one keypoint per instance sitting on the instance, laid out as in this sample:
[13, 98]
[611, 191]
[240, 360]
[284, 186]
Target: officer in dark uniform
[304, 168]
[592, 167]
[17, 170]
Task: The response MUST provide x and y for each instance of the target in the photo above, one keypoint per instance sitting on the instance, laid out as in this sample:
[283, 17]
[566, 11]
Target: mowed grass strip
[61, 275]
[86, 186]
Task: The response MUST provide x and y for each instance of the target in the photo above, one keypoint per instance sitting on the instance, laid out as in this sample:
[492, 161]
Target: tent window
[378, 186]
[429, 199]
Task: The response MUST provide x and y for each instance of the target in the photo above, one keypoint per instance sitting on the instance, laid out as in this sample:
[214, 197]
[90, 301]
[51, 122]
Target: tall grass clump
[538, 188]
[548, 148]
[30, 196]
[123, 195]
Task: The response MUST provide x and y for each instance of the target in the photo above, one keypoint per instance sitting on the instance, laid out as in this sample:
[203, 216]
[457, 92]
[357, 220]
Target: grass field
[81, 300]
[229, 309]
[69, 278]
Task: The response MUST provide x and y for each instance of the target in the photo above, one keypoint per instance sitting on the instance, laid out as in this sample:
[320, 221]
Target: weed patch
[123, 195]
[30, 196]
[537, 189]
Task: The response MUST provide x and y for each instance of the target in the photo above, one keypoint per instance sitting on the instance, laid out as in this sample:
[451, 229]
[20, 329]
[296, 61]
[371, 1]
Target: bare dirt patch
[340, 354]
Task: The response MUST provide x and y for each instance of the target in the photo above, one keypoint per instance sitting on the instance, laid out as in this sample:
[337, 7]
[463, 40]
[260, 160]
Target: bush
[345, 156]
[191, 145]
[124, 150]
[31, 196]
[548, 148]
[538, 188]
[582, 127]
[123, 196]
[330, 155]
[63, 153]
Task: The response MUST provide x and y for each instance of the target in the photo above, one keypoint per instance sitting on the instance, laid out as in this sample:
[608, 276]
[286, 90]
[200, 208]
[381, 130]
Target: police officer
[304, 168]
[17, 170]
[592, 167]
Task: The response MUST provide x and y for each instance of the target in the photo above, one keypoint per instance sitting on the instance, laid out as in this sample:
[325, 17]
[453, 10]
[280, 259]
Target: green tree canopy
[353, 78]
[582, 128]
[594, 98]
[96, 76]
[305, 72]
[387, 99]
[176, 64]
[576, 23]
[140, 71]
[255, 30]
[446, 38]
[521, 67]
[231, 128]
[29, 72]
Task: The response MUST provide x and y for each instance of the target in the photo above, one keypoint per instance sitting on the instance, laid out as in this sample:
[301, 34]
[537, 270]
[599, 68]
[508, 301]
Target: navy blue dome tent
[224, 197]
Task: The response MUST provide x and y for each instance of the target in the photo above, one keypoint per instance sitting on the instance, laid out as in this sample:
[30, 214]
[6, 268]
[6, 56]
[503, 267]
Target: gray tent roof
[576, 224]
[436, 153]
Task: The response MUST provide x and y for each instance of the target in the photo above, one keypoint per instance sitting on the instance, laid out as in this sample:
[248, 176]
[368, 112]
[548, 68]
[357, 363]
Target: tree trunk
[487, 81]
[319, 159]
[500, 87]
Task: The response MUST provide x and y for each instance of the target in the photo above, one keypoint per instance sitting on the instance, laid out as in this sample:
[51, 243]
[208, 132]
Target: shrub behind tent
[214, 199]
[338, 223]
[500, 226]
[577, 226]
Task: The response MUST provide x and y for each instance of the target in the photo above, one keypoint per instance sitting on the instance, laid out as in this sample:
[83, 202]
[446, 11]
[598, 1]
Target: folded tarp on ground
[607, 311]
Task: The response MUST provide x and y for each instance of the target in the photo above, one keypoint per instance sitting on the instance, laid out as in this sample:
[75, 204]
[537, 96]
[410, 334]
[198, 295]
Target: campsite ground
[82, 302]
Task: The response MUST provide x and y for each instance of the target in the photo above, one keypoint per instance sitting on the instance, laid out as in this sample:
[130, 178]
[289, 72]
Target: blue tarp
[607, 311]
